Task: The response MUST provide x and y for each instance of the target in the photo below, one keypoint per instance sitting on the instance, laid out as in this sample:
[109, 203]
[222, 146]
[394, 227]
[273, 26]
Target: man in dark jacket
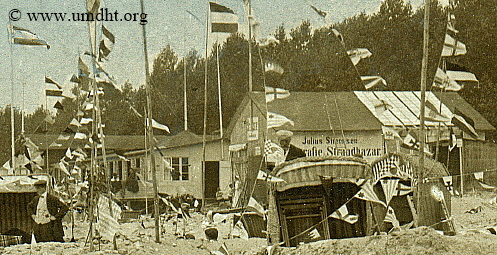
[47, 211]
[291, 151]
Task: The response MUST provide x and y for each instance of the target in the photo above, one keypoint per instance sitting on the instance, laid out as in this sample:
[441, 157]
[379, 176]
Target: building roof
[325, 111]
[400, 108]
[185, 138]
[453, 100]
[112, 142]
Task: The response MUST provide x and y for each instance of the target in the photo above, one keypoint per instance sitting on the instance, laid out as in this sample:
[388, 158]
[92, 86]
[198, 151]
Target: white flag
[157, 125]
[357, 54]
[371, 81]
[275, 93]
[343, 214]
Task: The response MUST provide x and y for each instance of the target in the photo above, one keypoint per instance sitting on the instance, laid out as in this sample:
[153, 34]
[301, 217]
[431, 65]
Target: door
[211, 180]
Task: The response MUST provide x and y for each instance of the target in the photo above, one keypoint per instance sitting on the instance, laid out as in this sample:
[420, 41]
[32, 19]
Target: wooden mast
[150, 131]
[422, 136]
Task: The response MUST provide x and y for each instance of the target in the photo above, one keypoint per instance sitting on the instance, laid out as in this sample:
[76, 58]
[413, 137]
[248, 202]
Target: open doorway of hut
[211, 181]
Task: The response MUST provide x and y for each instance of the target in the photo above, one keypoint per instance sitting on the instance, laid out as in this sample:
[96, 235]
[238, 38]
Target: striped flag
[391, 217]
[277, 120]
[223, 19]
[389, 188]
[23, 36]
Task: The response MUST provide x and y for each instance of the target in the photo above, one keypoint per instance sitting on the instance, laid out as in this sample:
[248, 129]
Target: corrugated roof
[402, 107]
[325, 111]
[453, 100]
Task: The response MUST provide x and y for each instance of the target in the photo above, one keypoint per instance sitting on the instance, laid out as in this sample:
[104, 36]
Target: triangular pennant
[389, 188]
[367, 193]
[391, 217]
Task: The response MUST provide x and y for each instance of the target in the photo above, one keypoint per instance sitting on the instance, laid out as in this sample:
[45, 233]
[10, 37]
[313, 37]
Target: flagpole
[424, 71]
[221, 134]
[150, 129]
[12, 161]
[185, 106]
[204, 132]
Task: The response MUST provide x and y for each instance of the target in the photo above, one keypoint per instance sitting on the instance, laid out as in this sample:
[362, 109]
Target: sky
[168, 22]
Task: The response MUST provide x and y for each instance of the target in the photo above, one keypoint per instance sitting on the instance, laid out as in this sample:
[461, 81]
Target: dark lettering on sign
[366, 152]
[312, 140]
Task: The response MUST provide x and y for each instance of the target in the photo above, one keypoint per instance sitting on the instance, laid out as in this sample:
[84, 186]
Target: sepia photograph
[248, 127]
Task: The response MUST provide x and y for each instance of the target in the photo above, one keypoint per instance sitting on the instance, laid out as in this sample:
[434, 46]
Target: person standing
[291, 151]
[47, 211]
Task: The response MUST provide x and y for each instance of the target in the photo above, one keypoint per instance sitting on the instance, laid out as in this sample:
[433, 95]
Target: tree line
[313, 59]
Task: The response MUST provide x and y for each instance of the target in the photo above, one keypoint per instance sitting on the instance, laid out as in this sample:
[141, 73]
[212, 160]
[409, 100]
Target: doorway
[211, 180]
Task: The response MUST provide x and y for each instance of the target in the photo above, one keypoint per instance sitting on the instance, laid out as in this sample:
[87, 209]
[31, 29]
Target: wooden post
[273, 223]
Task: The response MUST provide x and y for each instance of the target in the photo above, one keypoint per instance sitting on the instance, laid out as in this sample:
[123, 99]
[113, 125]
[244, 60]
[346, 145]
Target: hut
[393, 176]
[314, 188]
[15, 194]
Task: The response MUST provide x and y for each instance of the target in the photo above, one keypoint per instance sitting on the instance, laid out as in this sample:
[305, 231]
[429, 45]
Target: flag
[478, 176]
[338, 36]
[85, 121]
[453, 141]
[6, 165]
[277, 120]
[461, 76]
[223, 19]
[274, 153]
[271, 66]
[411, 141]
[342, 213]
[450, 26]
[75, 79]
[75, 122]
[263, 176]
[432, 113]
[356, 55]
[49, 80]
[265, 41]
[80, 136]
[371, 81]
[68, 153]
[314, 234]
[157, 125]
[49, 119]
[103, 50]
[254, 24]
[390, 133]
[58, 106]
[25, 37]
[391, 217]
[275, 93]
[254, 206]
[62, 167]
[367, 193]
[54, 92]
[443, 81]
[92, 6]
[389, 188]
[83, 69]
[464, 122]
[319, 12]
[452, 47]
[110, 36]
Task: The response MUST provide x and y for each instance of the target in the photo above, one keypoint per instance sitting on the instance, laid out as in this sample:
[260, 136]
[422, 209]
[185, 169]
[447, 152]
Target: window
[180, 169]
